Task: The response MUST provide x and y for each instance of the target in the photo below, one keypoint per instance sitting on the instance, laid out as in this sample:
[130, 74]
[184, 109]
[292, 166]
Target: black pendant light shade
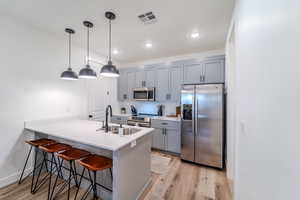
[69, 74]
[87, 72]
[109, 70]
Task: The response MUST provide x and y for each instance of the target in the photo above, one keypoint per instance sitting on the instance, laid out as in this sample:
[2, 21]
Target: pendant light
[109, 70]
[87, 72]
[69, 74]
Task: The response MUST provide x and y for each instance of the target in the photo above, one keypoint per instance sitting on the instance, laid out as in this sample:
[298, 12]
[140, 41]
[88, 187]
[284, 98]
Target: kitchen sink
[115, 130]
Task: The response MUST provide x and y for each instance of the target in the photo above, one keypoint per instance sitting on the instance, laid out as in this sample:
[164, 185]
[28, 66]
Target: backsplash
[150, 107]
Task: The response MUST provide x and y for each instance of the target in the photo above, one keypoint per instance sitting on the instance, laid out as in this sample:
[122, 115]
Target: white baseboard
[144, 188]
[13, 177]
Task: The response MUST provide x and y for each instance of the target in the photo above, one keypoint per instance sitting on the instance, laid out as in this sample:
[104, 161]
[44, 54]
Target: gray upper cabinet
[207, 71]
[140, 79]
[193, 73]
[162, 87]
[131, 84]
[213, 71]
[146, 78]
[167, 80]
[175, 83]
[122, 87]
[150, 80]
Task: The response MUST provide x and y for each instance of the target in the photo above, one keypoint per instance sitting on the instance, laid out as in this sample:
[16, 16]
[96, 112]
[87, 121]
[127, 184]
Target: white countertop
[176, 119]
[84, 132]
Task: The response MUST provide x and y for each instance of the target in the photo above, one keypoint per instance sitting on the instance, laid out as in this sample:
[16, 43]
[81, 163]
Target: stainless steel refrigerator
[202, 134]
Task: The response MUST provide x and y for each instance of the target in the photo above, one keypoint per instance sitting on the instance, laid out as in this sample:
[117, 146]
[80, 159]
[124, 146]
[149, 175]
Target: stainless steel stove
[142, 120]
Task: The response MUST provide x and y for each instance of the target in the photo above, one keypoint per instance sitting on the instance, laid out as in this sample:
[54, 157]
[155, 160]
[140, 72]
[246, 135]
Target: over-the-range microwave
[144, 94]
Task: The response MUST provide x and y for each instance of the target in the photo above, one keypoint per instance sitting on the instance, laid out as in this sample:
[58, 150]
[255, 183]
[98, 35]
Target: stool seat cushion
[54, 148]
[40, 142]
[73, 154]
[96, 162]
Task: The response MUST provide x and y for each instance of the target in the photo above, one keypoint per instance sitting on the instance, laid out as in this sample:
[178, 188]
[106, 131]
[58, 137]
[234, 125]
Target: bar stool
[35, 144]
[51, 149]
[70, 156]
[93, 163]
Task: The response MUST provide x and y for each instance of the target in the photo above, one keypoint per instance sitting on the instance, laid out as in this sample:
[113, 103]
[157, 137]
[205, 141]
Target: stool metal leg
[34, 168]
[79, 182]
[95, 185]
[20, 180]
[51, 166]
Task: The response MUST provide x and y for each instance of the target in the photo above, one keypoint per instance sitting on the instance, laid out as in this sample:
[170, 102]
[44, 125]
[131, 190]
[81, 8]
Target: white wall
[267, 85]
[230, 84]
[31, 62]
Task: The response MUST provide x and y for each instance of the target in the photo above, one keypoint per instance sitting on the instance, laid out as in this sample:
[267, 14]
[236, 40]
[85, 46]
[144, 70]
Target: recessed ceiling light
[115, 51]
[195, 35]
[148, 45]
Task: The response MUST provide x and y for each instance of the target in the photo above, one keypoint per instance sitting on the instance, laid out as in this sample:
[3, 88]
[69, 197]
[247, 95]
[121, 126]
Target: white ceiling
[177, 19]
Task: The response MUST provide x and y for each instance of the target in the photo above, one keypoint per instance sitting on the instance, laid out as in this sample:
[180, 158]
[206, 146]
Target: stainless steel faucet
[108, 108]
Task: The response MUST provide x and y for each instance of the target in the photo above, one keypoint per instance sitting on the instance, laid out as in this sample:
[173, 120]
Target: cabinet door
[173, 140]
[150, 80]
[130, 84]
[175, 83]
[140, 77]
[158, 139]
[193, 73]
[122, 87]
[214, 71]
[162, 89]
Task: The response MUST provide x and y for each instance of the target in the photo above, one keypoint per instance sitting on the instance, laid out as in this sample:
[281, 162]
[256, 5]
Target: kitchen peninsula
[131, 154]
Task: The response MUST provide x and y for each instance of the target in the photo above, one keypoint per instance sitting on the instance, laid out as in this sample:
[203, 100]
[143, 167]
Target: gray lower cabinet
[166, 135]
[158, 139]
[172, 142]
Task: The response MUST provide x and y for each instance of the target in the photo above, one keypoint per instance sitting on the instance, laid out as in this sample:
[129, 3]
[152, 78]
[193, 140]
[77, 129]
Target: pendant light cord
[70, 51]
[109, 53]
[88, 46]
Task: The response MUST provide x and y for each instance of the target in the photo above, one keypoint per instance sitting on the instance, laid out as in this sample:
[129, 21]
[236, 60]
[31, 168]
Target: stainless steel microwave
[144, 94]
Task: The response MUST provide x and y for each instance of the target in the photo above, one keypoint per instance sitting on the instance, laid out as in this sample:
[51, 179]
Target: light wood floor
[185, 181]
[182, 181]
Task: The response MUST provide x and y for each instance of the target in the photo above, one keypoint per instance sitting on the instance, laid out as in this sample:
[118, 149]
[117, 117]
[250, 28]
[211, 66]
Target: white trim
[144, 188]
[14, 177]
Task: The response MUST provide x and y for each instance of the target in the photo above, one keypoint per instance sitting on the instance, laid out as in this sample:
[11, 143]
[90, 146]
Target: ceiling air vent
[148, 18]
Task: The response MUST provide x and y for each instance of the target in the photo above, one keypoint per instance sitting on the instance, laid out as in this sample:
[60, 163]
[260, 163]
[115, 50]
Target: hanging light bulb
[87, 72]
[109, 70]
[69, 74]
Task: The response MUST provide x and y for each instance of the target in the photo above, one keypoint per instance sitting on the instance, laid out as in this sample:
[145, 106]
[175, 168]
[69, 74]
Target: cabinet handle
[125, 96]
[203, 78]
[164, 123]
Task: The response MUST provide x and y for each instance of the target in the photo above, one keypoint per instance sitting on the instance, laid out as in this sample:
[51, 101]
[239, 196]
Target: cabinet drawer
[155, 123]
[119, 120]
